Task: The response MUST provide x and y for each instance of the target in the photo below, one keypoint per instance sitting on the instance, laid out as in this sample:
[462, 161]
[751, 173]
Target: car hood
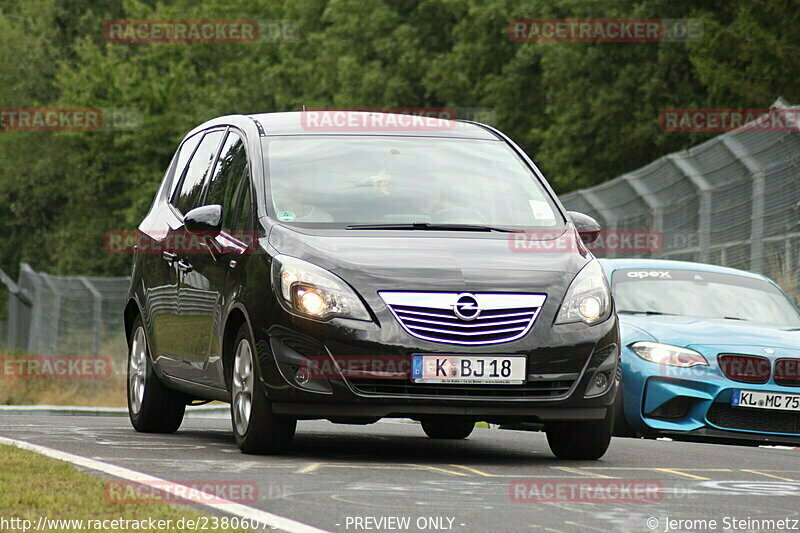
[426, 260]
[694, 331]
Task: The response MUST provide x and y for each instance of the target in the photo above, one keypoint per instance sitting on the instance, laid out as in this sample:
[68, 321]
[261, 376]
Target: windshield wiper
[433, 227]
[629, 312]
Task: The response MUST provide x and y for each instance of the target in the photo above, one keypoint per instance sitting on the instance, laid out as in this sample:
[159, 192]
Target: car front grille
[727, 416]
[532, 389]
[745, 368]
[435, 316]
[787, 372]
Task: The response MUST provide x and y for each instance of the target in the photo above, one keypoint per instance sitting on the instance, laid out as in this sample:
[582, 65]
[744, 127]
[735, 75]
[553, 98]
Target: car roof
[636, 263]
[318, 122]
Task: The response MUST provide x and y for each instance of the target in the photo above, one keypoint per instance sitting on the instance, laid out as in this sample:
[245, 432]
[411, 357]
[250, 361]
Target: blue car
[708, 353]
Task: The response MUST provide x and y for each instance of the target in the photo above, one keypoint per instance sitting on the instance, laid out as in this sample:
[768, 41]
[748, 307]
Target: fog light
[302, 375]
[601, 381]
[312, 302]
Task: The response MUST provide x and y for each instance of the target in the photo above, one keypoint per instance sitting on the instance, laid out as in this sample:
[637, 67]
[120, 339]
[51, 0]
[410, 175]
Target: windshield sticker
[653, 274]
[541, 210]
[286, 216]
[690, 276]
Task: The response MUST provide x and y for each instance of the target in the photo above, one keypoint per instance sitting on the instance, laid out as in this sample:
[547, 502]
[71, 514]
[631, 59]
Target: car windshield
[702, 294]
[341, 181]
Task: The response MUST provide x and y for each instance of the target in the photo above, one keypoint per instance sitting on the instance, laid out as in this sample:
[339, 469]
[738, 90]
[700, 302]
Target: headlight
[313, 292]
[666, 354]
[588, 298]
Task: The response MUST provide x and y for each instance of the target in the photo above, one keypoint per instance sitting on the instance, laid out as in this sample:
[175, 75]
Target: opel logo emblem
[769, 351]
[466, 307]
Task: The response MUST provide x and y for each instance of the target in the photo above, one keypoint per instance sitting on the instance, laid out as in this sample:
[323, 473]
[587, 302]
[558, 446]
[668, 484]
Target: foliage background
[586, 112]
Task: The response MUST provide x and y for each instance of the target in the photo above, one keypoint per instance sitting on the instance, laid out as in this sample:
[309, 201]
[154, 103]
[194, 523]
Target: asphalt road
[336, 475]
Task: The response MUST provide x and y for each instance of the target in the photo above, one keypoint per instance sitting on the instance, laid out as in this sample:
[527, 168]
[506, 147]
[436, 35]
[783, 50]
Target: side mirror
[587, 227]
[206, 220]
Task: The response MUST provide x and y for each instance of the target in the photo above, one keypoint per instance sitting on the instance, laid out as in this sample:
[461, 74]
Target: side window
[192, 184]
[243, 203]
[184, 153]
[227, 173]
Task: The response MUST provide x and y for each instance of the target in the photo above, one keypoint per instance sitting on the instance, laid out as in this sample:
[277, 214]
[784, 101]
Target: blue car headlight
[667, 354]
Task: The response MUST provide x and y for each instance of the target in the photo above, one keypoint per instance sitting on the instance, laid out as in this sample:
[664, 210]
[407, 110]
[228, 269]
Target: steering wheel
[459, 215]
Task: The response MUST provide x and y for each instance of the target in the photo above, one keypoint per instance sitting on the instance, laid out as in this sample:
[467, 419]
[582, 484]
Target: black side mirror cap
[587, 227]
[206, 219]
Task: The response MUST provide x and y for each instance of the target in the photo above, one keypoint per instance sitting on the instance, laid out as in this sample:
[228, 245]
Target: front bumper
[696, 403]
[561, 363]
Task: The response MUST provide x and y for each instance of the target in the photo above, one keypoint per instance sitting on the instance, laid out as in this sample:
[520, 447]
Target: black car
[366, 268]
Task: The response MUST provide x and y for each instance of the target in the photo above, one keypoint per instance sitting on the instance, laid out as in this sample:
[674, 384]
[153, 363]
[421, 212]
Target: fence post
[97, 304]
[704, 190]
[17, 296]
[36, 326]
[757, 208]
[53, 347]
[655, 206]
[591, 198]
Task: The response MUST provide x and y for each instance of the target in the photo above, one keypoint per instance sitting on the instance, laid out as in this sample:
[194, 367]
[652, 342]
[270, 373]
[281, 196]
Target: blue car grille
[787, 372]
[726, 416]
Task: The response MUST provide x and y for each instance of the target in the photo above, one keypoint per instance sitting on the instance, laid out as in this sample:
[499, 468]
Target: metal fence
[733, 201]
[64, 315]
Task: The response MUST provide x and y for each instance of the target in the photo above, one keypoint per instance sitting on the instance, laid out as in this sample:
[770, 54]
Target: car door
[177, 361]
[159, 260]
[202, 288]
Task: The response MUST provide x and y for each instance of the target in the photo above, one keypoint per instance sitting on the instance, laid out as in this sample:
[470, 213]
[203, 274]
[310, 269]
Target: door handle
[184, 266]
[169, 257]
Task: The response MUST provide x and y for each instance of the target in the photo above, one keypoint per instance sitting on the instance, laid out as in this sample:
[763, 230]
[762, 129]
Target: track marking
[451, 472]
[657, 468]
[310, 468]
[678, 472]
[769, 475]
[584, 472]
[225, 506]
[482, 473]
[584, 526]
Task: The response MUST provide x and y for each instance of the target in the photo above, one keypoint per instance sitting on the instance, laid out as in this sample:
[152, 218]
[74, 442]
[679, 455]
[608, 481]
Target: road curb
[203, 411]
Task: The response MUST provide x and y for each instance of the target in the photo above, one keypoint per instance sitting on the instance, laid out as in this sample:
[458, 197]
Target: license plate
[766, 400]
[491, 369]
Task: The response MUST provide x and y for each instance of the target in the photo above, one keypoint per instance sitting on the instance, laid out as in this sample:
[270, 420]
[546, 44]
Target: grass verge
[34, 486]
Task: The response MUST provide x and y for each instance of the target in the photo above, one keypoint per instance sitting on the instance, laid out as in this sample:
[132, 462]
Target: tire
[621, 426]
[447, 427]
[256, 428]
[152, 407]
[586, 441]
